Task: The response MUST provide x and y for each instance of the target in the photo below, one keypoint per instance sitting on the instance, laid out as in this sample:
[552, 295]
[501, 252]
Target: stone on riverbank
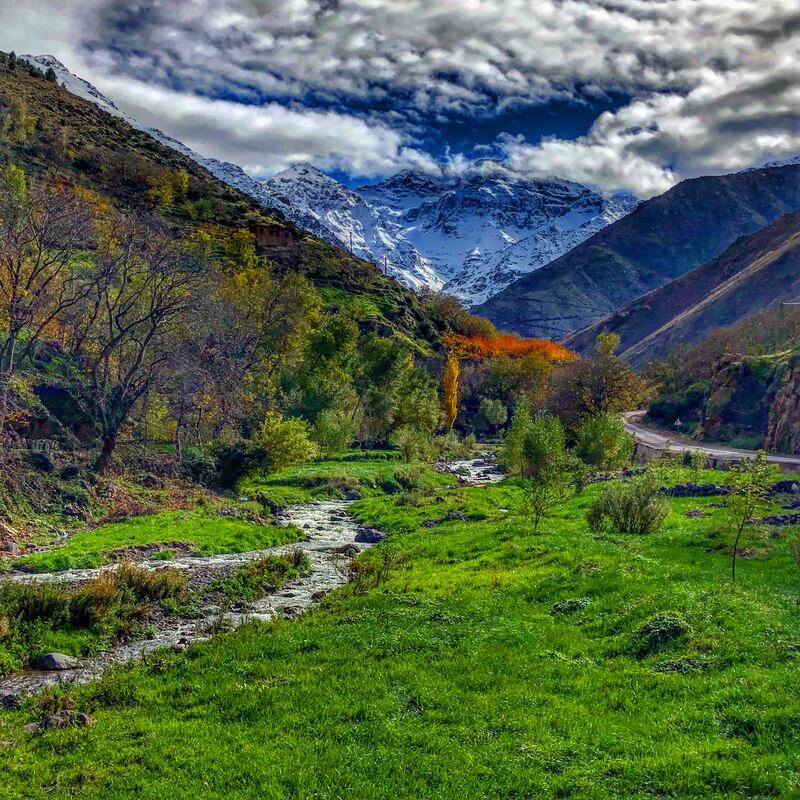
[57, 661]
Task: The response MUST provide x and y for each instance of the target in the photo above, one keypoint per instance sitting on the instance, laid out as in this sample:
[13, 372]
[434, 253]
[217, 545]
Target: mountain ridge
[470, 235]
[754, 273]
[662, 239]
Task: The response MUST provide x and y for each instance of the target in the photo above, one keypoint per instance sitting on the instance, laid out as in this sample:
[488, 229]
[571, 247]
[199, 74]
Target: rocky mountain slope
[471, 234]
[755, 272]
[660, 240]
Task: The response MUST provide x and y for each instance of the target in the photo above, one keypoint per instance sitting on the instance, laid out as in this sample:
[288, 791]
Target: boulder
[348, 549]
[9, 546]
[368, 535]
[57, 661]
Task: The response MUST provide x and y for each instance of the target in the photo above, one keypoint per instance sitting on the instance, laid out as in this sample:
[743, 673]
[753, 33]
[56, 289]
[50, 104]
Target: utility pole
[385, 268]
[351, 243]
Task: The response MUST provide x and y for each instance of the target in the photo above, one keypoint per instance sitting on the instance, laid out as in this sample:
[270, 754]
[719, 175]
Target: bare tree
[120, 337]
[44, 229]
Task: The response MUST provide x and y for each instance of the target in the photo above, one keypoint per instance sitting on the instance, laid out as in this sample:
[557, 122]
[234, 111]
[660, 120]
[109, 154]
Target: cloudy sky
[620, 94]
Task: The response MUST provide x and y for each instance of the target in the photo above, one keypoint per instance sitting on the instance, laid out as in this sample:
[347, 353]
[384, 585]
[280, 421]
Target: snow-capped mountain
[470, 234]
[325, 207]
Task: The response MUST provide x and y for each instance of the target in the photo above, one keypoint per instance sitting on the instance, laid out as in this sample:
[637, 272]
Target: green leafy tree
[512, 453]
[284, 441]
[602, 384]
[494, 412]
[602, 442]
[546, 465]
[749, 484]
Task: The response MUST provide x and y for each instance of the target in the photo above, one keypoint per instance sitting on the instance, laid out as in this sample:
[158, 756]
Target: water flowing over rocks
[331, 536]
[331, 533]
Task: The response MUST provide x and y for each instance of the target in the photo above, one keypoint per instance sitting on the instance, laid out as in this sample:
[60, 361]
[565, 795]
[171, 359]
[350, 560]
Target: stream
[329, 544]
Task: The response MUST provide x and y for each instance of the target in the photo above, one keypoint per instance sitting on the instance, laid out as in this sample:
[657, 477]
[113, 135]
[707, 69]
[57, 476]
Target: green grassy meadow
[467, 659]
[203, 530]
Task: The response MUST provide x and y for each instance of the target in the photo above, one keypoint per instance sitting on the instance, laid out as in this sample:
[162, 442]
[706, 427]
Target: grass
[203, 530]
[369, 476]
[486, 663]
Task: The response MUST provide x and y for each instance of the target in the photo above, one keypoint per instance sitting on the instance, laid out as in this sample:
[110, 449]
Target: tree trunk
[735, 553]
[104, 459]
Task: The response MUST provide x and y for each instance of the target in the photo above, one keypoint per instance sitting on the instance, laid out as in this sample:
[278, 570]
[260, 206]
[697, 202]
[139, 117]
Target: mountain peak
[72, 83]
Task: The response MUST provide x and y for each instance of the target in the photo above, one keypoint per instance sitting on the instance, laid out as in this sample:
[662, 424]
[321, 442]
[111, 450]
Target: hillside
[755, 272]
[660, 240]
[100, 151]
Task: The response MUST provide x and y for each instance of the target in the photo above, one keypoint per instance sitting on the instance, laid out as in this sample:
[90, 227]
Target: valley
[322, 488]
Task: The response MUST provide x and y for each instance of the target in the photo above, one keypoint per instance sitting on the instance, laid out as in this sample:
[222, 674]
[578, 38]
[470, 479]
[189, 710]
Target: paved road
[677, 444]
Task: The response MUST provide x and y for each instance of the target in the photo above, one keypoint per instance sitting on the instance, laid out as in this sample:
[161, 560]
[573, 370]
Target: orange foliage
[504, 344]
[481, 347]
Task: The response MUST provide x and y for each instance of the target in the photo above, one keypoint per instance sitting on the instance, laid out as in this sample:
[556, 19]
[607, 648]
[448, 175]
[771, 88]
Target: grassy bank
[469, 659]
[202, 531]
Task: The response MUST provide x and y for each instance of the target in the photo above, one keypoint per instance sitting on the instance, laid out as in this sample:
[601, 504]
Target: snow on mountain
[470, 234]
[327, 208]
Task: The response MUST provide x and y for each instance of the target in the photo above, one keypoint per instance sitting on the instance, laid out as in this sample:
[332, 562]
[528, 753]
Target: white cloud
[712, 81]
[264, 139]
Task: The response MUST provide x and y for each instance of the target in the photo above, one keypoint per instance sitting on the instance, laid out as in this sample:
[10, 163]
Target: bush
[494, 412]
[334, 430]
[284, 441]
[198, 465]
[151, 585]
[413, 444]
[35, 601]
[634, 506]
[658, 632]
[409, 479]
[97, 603]
[602, 442]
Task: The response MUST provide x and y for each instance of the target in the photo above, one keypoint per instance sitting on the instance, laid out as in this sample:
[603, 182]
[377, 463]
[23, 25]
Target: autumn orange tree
[481, 347]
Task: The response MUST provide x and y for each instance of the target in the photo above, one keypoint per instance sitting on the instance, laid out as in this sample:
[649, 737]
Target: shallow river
[328, 529]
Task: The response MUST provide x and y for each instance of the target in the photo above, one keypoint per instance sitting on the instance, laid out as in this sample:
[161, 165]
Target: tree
[120, 332]
[452, 370]
[43, 229]
[50, 75]
[601, 441]
[285, 441]
[512, 453]
[602, 384]
[494, 412]
[749, 484]
[546, 465]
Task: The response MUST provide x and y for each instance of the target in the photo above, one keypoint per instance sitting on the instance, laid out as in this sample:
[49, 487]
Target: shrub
[151, 585]
[413, 444]
[601, 441]
[634, 506]
[284, 441]
[410, 479]
[658, 632]
[494, 412]
[97, 603]
[35, 601]
[334, 430]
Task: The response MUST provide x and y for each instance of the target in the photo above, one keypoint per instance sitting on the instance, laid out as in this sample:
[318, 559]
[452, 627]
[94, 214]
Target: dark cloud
[712, 82]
